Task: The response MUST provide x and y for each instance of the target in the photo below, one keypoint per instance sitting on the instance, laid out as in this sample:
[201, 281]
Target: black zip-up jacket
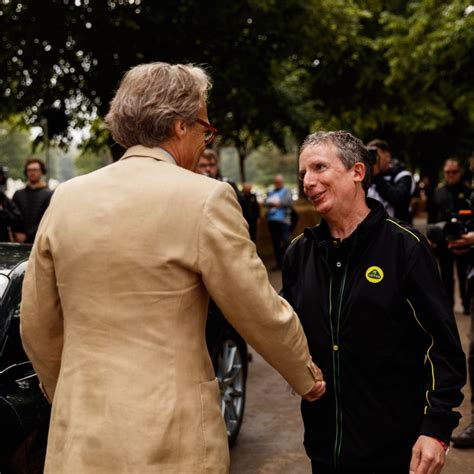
[387, 344]
[32, 203]
[396, 187]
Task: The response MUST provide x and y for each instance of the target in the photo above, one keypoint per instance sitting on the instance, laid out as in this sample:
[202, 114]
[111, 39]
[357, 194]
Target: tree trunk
[242, 167]
[241, 149]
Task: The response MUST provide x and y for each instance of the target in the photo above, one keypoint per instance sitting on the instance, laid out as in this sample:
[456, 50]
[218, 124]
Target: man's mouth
[316, 197]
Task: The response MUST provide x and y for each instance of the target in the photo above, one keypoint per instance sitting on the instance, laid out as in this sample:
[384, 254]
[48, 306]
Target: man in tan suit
[115, 297]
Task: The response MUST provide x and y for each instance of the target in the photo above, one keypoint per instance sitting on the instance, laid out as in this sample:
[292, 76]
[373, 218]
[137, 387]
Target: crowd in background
[21, 215]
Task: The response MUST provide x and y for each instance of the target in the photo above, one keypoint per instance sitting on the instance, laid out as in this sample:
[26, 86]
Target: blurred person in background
[33, 200]
[367, 291]
[11, 225]
[117, 288]
[279, 203]
[392, 184]
[463, 247]
[250, 209]
[208, 165]
[448, 199]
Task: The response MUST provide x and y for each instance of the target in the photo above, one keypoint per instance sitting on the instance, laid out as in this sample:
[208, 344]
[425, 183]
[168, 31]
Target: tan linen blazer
[114, 312]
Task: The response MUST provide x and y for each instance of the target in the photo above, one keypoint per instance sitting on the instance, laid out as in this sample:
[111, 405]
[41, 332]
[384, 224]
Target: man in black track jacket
[378, 322]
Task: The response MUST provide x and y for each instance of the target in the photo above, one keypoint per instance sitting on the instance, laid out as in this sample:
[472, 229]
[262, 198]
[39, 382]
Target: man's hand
[316, 392]
[427, 456]
[464, 242]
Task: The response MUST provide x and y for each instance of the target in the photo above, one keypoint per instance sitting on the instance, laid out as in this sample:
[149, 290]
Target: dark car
[25, 413]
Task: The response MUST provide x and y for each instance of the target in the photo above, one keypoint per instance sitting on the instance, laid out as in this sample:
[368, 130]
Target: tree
[62, 58]
[408, 79]
[15, 147]
[85, 162]
[397, 69]
[430, 55]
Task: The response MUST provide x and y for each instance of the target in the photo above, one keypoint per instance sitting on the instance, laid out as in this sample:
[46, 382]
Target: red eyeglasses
[209, 133]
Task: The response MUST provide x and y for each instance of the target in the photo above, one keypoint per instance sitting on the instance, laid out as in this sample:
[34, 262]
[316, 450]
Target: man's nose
[309, 181]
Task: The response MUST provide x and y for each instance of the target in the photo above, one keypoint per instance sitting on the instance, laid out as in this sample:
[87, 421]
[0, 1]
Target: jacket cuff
[437, 427]
[315, 371]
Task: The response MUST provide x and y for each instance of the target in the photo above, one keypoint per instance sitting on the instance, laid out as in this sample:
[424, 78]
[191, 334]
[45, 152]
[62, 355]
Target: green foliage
[15, 148]
[267, 161]
[86, 162]
[399, 69]
[429, 53]
[63, 58]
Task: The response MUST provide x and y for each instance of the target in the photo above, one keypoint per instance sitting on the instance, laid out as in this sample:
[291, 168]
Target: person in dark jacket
[392, 184]
[450, 198]
[378, 321]
[465, 246]
[33, 200]
[208, 165]
[250, 209]
[11, 225]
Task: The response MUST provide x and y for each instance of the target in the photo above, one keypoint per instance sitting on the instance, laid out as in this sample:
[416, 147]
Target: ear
[359, 171]
[180, 128]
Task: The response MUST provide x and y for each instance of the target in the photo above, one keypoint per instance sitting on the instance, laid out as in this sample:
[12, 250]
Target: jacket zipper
[335, 362]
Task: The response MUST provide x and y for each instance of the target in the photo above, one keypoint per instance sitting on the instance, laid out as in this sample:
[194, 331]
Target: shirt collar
[157, 153]
[364, 230]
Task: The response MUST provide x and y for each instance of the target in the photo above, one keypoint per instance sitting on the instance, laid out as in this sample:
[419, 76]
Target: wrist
[443, 445]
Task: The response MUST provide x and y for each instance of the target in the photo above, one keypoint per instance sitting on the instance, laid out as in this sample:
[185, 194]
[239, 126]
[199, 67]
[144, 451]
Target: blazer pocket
[216, 449]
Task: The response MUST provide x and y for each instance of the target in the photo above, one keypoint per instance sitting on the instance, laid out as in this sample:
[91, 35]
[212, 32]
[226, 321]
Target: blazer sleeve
[445, 363]
[237, 281]
[41, 319]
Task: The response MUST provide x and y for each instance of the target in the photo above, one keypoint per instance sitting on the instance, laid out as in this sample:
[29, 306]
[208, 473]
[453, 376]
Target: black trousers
[446, 260]
[281, 238]
[470, 356]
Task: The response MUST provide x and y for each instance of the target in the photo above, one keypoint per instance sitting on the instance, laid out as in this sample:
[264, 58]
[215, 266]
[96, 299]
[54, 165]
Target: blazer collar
[140, 151]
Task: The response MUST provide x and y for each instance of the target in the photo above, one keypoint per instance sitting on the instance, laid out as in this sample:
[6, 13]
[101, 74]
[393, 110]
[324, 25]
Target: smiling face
[329, 185]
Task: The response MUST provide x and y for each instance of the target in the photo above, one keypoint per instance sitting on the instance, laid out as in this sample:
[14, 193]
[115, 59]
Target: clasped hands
[319, 386]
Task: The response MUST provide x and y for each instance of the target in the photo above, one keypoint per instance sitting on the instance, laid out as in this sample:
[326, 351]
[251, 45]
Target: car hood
[11, 255]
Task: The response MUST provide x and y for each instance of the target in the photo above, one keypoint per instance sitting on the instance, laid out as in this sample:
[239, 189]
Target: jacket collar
[365, 230]
[39, 185]
[157, 153]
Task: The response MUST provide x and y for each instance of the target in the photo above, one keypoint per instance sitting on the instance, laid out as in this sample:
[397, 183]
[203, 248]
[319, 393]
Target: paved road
[271, 438]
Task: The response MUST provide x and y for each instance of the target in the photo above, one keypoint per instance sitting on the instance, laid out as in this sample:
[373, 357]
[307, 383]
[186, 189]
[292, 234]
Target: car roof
[11, 255]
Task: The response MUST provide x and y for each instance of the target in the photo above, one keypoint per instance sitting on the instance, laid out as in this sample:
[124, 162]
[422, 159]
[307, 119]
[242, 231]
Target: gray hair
[350, 150]
[151, 97]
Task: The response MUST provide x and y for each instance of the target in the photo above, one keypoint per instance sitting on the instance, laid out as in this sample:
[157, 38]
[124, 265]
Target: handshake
[319, 386]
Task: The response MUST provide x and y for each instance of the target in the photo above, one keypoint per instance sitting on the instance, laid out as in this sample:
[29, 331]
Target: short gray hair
[350, 150]
[151, 97]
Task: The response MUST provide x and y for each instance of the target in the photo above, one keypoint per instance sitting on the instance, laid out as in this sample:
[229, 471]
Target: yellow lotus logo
[374, 274]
